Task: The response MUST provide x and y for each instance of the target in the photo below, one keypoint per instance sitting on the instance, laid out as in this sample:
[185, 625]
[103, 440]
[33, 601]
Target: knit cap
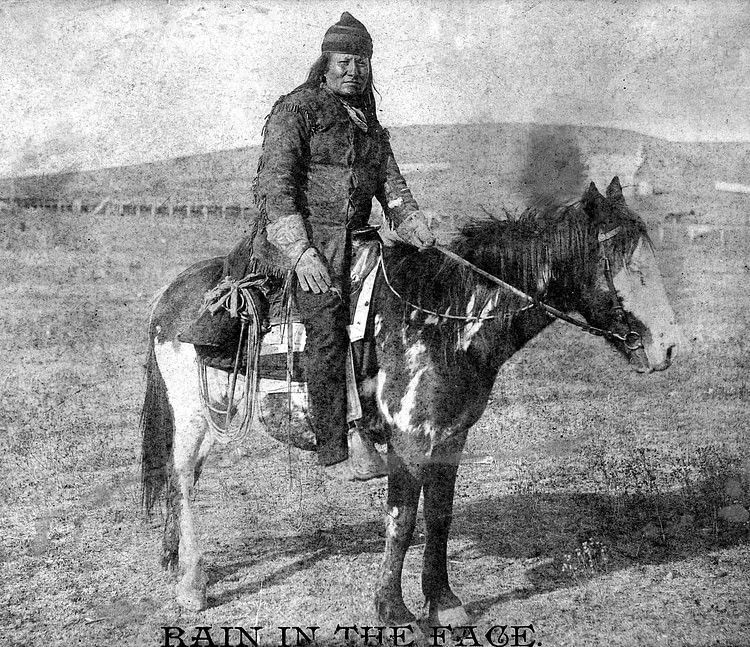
[349, 36]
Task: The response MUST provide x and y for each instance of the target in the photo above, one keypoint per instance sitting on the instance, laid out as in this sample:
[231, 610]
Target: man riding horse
[324, 157]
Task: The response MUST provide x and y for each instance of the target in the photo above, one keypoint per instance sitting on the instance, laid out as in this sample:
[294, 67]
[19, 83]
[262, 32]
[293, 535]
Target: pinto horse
[443, 330]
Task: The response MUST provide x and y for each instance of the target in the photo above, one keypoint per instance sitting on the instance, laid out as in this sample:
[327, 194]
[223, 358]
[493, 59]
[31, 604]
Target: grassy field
[605, 518]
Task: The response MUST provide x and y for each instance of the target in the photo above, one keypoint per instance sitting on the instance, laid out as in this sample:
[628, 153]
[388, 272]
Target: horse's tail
[157, 431]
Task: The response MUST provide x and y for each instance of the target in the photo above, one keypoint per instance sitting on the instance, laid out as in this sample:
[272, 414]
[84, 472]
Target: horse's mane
[549, 240]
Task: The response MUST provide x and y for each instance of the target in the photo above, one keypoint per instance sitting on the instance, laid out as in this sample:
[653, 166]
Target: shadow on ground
[540, 530]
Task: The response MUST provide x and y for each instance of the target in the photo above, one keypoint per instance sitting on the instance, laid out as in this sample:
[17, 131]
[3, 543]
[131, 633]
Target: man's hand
[415, 231]
[312, 272]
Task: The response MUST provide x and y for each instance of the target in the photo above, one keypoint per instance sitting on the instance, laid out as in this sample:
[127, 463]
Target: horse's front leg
[404, 487]
[439, 487]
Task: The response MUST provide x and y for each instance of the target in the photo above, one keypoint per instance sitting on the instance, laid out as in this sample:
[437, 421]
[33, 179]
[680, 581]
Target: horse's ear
[592, 193]
[591, 199]
[614, 191]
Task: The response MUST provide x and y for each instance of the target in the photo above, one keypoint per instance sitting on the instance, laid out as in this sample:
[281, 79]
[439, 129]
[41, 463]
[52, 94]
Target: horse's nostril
[669, 353]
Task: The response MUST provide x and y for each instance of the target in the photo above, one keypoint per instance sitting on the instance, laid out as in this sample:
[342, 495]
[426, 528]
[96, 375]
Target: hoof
[456, 617]
[394, 614]
[405, 637]
[191, 599]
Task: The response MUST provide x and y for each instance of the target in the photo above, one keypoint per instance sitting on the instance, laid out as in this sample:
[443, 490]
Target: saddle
[250, 329]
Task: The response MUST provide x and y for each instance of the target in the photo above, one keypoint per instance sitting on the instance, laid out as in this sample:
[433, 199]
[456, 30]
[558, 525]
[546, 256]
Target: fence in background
[699, 233]
[153, 209]
[674, 227]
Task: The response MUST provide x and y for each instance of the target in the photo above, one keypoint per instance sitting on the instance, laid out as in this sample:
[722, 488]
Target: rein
[554, 312]
[446, 315]
[632, 339]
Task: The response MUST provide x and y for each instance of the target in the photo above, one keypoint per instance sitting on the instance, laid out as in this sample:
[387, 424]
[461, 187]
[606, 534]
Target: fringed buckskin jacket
[323, 161]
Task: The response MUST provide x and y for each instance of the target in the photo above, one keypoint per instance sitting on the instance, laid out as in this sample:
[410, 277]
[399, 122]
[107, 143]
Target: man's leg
[325, 318]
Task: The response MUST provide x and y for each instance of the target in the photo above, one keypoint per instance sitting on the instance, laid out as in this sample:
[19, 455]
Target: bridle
[632, 339]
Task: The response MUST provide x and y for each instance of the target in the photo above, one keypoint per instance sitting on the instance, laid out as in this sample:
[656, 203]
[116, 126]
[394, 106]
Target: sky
[96, 83]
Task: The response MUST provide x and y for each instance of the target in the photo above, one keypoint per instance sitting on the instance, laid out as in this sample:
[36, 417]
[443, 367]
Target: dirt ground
[603, 519]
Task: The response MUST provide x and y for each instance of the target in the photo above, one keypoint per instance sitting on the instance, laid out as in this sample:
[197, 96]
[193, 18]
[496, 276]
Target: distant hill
[222, 177]
[485, 167]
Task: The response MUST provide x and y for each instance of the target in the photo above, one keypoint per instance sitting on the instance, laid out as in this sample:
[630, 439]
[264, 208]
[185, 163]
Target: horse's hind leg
[172, 525]
[191, 443]
[191, 586]
[203, 452]
[439, 486]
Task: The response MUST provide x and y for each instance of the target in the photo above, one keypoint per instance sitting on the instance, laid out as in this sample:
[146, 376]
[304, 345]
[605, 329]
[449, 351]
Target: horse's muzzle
[666, 362]
[643, 365]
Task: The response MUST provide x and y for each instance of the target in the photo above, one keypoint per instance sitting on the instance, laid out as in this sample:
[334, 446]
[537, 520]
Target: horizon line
[161, 160]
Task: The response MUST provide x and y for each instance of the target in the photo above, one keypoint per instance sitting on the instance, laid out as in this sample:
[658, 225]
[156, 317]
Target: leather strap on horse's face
[632, 340]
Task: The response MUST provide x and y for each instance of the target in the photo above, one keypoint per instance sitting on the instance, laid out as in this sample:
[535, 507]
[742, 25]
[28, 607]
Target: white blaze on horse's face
[639, 285]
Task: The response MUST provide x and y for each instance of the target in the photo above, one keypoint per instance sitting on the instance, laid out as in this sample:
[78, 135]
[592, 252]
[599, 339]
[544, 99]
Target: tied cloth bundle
[235, 296]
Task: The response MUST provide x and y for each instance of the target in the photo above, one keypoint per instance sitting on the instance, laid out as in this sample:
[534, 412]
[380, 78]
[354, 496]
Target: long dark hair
[317, 75]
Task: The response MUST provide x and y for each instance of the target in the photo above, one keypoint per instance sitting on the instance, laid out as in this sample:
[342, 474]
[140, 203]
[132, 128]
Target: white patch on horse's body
[401, 418]
[414, 353]
[470, 305]
[471, 328]
[415, 362]
[179, 368]
[177, 362]
[472, 325]
[639, 285]
[391, 527]
[380, 397]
